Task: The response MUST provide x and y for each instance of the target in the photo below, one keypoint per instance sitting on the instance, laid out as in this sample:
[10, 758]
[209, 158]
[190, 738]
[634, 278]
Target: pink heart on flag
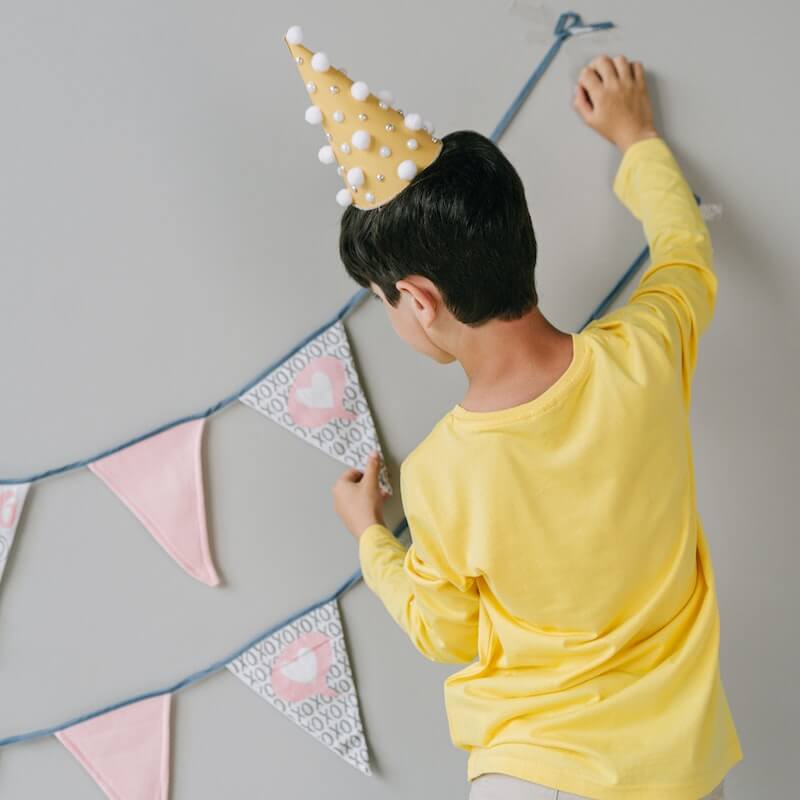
[8, 508]
[301, 669]
[317, 392]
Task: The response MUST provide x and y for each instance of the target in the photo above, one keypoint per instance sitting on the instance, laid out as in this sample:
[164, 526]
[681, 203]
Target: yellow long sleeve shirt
[557, 548]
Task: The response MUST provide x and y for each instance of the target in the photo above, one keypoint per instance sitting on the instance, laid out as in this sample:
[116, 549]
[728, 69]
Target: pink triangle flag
[160, 479]
[126, 751]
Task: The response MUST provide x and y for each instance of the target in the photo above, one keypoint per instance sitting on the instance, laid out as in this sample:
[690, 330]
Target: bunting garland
[300, 666]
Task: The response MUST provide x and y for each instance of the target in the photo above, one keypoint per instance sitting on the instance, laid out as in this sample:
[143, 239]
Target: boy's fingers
[351, 475]
[624, 69]
[373, 464]
[590, 80]
[581, 102]
[606, 67]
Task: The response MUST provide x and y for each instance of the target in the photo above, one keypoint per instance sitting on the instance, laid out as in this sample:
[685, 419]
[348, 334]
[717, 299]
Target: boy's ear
[424, 294]
[406, 287]
[425, 301]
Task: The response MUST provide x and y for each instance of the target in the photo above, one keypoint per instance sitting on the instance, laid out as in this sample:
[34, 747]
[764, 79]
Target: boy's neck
[508, 363]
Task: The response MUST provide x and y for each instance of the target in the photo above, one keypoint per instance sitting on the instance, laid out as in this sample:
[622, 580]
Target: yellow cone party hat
[377, 148]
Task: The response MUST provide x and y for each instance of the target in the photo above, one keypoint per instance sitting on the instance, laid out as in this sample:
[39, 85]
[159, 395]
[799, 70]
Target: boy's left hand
[358, 498]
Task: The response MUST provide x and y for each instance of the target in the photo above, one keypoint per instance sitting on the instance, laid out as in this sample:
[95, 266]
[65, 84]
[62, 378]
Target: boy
[556, 545]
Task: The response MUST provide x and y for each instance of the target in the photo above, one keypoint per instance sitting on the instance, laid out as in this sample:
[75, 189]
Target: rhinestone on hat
[311, 87]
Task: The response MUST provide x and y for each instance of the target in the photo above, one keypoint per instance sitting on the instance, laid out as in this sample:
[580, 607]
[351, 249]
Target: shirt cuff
[373, 536]
[651, 145]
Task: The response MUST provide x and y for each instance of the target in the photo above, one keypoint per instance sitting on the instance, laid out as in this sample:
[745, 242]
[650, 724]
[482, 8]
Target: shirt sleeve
[675, 299]
[437, 609]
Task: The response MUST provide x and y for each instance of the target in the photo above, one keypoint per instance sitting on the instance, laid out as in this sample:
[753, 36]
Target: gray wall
[167, 231]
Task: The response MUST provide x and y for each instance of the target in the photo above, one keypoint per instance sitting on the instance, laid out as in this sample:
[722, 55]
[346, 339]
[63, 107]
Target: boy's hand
[357, 497]
[611, 98]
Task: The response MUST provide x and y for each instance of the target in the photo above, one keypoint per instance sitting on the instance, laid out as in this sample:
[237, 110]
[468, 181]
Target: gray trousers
[499, 786]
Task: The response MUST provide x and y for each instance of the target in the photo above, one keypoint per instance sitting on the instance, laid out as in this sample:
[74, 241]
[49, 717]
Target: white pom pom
[385, 96]
[320, 62]
[361, 139]
[412, 121]
[294, 35]
[325, 154]
[359, 90]
[344, 197]
[355, 176]
[313, 115]
[406, 170]
[428, 125]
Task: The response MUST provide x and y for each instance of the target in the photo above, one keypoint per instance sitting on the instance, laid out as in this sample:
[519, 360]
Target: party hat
[377, 148]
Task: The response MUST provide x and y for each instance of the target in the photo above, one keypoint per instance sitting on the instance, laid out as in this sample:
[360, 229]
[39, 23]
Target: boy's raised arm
[675, 298]
[676, 294]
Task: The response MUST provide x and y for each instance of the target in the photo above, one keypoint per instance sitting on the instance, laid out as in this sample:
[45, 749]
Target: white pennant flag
[303, 671]
[316, 394]
[12, 499]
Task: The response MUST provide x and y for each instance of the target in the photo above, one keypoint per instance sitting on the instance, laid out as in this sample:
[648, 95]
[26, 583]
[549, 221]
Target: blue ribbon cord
[563, 30]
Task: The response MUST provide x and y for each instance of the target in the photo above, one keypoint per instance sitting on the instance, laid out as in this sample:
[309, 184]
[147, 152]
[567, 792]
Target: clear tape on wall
[580, 48]
[710, 210]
